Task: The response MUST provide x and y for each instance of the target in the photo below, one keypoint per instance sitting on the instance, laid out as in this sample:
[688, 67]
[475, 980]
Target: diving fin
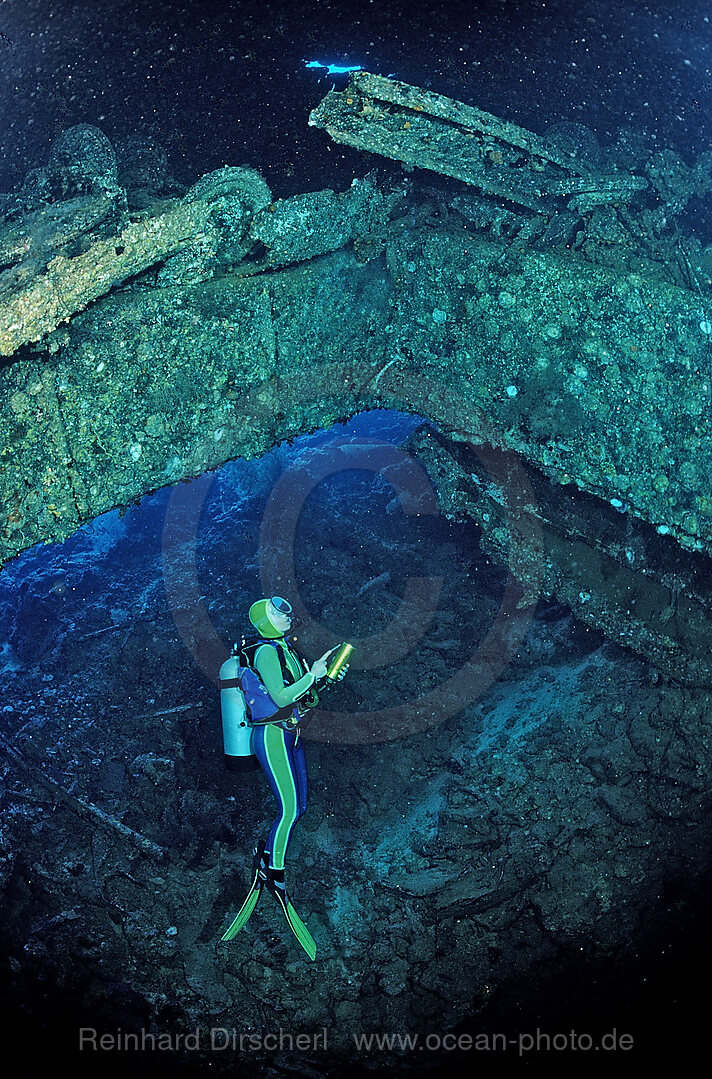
[274, 880]
[243, 914]
[294, 922]
[300, 931]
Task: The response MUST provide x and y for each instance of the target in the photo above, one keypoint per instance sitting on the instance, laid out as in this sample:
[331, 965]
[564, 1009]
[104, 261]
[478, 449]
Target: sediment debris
[84, 809]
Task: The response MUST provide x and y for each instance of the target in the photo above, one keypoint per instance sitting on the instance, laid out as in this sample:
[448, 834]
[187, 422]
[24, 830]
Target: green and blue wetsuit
[278, 748]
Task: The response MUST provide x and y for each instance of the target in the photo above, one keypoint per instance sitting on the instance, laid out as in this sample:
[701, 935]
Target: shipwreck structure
[528, 294]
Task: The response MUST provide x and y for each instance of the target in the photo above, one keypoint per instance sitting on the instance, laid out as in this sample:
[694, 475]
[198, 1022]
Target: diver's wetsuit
[278, 748]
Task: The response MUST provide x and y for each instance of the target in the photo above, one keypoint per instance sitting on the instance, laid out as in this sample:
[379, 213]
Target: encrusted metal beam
[427, 130]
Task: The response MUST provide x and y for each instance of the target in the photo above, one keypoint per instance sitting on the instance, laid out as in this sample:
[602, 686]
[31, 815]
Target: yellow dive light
[339, 661]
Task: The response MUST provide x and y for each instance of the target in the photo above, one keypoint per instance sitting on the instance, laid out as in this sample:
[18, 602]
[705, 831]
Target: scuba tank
[244, 701]
[236, 729]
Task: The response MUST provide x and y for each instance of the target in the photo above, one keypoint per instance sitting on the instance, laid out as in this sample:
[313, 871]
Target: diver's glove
[322, 683]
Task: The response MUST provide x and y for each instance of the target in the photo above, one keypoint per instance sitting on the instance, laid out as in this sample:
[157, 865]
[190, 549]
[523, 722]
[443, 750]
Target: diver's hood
[257, 614]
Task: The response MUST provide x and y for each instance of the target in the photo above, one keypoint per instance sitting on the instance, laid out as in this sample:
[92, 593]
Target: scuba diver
[276, 743]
